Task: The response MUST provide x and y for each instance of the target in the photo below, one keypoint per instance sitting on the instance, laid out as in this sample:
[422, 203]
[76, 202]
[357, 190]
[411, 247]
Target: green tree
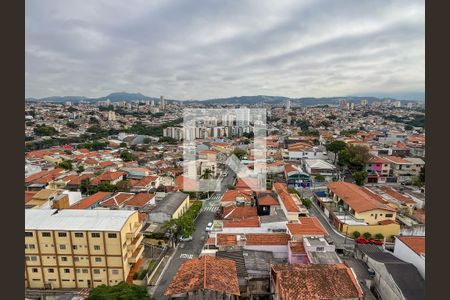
[307, 203]
[123, 186]
[123, 145]
[121, 291]
[319, 178]
[303, 124]
[126, 156]
[80, 169]
[240, 153]
[106, 187]
[66, 165]
[354, 156]
[359, 177]
[335, 147]
[72, 125]
[146, 141]
[207, 173]
[422, 174]
[408, 127]
[356, 234]
[44, 130]
[84, 186]
[367, 235]
[379, 236]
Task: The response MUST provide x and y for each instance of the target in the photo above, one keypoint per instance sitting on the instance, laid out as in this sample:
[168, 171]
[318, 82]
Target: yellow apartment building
[80, 248]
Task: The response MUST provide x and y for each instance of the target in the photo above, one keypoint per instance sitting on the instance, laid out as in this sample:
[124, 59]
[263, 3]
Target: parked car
[376, 242]
[185, 238]
[362, 240]
[209, 226]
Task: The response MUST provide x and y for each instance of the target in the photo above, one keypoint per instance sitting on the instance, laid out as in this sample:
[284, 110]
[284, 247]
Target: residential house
[109, 177]
[91, 201]
[173, 206]
[144, 184]
[116, 201]
[394, 278]
[139, 200]
[205, 277]
[295, 177]
[405, 169]
[378, 170]
[411, 249]
[314, 281]
[237, 197]
[316, 167]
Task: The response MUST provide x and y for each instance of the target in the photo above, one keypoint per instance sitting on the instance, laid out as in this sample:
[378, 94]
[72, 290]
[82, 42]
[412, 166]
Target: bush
[306, 202]
[356, 234]
[379, 236]
[320, 178]
[367, 235]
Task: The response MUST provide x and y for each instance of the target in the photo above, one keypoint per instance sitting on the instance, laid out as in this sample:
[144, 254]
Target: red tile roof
[267, 239]
[247, 222]
[416, 243]
[400, 197]
[186, 184]
[297, 247]
[89, 201]
[108, 176]
[139, 199]
[239, 212]
[231, 195]
[308, 226]
[117, 199]
[378, 160]
[225, 239]
[268, 200]
[205, 273]
[29, 195]
[357, 197]
[288, 202]
[144, 181]
[318, 282]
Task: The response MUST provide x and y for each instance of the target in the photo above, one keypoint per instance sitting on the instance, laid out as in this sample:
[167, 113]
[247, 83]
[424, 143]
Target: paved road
[338, 239]
[192, 249]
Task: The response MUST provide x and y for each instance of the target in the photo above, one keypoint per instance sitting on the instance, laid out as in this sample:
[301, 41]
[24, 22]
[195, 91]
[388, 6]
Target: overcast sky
[211, 49]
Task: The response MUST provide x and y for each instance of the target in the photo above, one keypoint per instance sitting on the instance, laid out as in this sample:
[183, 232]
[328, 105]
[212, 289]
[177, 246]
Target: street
[189, 250]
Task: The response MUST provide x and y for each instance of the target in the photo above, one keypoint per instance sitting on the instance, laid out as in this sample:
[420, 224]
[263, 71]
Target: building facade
[80, 248]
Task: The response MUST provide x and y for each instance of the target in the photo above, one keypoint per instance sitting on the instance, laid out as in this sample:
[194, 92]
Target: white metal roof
[76, 219]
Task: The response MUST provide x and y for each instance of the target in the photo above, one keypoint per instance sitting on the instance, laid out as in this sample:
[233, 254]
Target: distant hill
[241, 100]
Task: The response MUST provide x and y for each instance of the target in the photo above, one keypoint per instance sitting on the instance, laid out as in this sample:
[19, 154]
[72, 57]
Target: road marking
[186, 256]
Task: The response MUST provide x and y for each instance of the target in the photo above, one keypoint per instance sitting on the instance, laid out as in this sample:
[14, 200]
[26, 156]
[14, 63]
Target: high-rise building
[364, 102]
[288, 105]
[111, 115]
[162, 103]
[74, 248]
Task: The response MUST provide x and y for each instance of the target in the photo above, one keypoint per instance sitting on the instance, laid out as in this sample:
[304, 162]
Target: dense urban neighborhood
[341, 215]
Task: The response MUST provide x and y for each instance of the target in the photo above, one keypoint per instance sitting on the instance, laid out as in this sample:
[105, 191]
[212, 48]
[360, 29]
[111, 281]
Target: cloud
[208, 49]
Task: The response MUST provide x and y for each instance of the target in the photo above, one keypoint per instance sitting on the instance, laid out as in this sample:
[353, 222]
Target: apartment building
[79, 248]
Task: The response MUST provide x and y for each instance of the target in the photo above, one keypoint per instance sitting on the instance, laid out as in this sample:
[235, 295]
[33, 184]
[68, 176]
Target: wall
[386, 230]
[380, 215]
[405, 253]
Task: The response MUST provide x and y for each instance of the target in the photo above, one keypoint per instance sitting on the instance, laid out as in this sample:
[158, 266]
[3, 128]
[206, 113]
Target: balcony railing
[136, 242]
[136, 228]
[136, 254]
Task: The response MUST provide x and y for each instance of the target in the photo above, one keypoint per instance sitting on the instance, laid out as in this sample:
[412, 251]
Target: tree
[379, 236]
[303, 124]
[359, 177]
[80, 169]
[367, 235]
[307, 203]
[66, 165]
[126, 156]
[44, 130]
[422, 174]
[106, 187]
[240, 153]
[84, 186]
[319, 178]
[72, 125]
[123, 145]
[354, 156]
[356, 234]
[335, 147]
[207, 173]
[121, 291]
[123, 186]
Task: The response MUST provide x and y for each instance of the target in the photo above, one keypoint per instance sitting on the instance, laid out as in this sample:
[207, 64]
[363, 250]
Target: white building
[411, 249]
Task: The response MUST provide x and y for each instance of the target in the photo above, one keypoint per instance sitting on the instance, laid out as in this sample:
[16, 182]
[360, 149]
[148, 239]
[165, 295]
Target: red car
[362, 240]
[376, 242]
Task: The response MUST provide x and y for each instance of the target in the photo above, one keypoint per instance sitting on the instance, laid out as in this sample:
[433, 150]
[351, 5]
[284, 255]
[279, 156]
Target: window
[31, 246]
[62, 234]
[320, 249]
[33, 258]
[46, 234]
[27, 258]
[371, 215]
[381, 215]
[74, 247]
[63, 258]
[27, 233]
[76, 258]
[112, 235]
[389, 215]
[96, 271]
[66, 270]
[85, 270]
[95, 234]
[51, 270]
[115, 272]
[98, 259]
[34, 270]
[78, 270]
[96, 247]
[62, 247]
[26, 246]
[78, 234]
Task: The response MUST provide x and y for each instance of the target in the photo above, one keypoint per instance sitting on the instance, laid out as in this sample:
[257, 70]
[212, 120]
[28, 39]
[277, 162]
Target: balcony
[135, 242]
[136, 254]
[134, 231]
